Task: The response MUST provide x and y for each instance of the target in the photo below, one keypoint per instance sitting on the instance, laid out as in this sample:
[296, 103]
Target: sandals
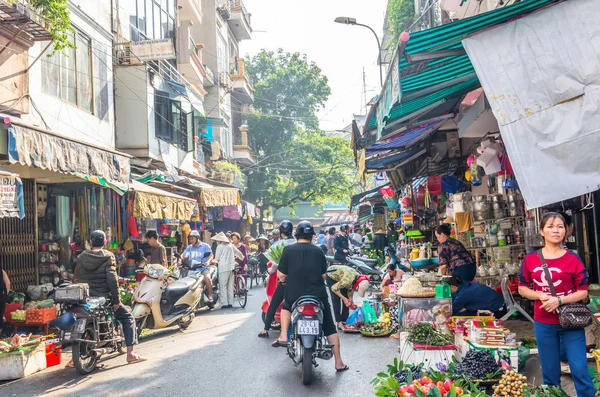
[277, 343]
[346, 368]
[137, 360]
[394, 336]
[263, 335]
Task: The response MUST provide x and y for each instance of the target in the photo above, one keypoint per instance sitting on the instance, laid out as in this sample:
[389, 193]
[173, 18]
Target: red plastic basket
[11, 307]
[40, 316]
[53, 355]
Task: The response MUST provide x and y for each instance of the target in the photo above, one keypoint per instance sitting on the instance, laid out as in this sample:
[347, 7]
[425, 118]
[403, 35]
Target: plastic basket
[40, 316]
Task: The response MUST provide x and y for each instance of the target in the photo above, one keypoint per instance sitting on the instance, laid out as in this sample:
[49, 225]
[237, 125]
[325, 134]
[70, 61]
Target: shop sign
[153, 50]
[11, 197]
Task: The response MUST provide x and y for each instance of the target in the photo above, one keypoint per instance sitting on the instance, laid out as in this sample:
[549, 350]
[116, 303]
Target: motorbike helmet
[98, 238]
[64, 322]
[344, 228]
[305, 230]
[287, 228]
[195, 233]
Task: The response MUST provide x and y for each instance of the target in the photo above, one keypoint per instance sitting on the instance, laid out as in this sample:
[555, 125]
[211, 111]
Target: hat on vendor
[361, 285]
[262, 237]
[220, 237]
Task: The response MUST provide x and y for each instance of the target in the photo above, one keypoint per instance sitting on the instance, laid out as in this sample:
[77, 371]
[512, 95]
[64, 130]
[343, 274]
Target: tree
[58, 18]
[296, 161]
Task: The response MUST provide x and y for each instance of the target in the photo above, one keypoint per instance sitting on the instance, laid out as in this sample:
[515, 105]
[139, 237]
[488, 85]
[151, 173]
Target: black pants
[2, 307]
[340, 310]
[276, 300]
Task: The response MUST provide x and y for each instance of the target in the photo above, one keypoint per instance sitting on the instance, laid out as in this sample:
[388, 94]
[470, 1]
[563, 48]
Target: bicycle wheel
[241, 292]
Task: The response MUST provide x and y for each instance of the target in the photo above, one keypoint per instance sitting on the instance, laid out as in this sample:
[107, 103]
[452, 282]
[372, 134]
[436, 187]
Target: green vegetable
[426, 334]
[529, 343]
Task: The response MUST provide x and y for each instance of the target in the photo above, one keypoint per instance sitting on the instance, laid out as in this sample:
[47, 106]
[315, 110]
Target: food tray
[429, 294]
[385, 333]
[351, 331]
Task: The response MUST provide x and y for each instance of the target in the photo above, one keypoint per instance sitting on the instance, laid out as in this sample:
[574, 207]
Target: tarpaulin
[28, 146]
[154, 203]
[541, 75]
[12, 202]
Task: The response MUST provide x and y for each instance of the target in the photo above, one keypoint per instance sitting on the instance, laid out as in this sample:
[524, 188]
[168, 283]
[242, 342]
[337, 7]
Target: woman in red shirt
[570, 279]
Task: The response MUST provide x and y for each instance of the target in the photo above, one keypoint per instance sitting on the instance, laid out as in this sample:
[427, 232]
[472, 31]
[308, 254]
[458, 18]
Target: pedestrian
[243, 262]
[263, 246]
[158, 253]
[380, 241]
[392, 233]
[570, 279]
[453, 257]
[275, 236]
[321, 239]
[331, 241]
[356, 237]
[225, 256]
[4, 290]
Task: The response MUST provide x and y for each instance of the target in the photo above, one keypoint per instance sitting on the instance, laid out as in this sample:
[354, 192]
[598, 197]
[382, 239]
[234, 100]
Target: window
[170, 122]
[222, 54]
[68, 75]
[152, 19]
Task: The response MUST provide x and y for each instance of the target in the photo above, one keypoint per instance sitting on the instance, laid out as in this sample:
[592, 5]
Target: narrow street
[218, 355]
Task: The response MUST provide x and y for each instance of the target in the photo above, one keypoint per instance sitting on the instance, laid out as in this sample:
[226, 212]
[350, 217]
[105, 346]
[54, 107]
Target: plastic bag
[369, 314]
[356, 317]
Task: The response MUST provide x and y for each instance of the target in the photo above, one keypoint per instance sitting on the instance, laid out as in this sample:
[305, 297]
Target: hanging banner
[541, 76]
[11, 197]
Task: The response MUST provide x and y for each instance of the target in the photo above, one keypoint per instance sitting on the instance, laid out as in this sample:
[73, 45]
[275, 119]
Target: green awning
[434, 67]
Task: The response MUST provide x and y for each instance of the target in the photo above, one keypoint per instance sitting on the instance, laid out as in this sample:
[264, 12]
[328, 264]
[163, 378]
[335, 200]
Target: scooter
[195, 269]
[271, 286]
[375, 275]
[159, 302]
[307, 342]
[391, 253]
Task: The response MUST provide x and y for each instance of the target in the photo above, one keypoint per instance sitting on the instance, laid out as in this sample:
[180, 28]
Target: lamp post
[352, 21]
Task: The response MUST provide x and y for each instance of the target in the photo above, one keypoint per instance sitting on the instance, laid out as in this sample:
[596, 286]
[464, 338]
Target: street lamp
[352, 21]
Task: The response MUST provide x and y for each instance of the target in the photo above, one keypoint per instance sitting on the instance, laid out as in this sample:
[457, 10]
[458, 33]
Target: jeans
[549, 338]
[465, 272]
[340, 310]
[226, 280]
[276, 300]
[128, 322]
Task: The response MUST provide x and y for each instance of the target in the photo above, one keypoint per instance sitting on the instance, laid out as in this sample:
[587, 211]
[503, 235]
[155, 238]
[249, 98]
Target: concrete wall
[13, 81]
[133, 109]
[63, 117]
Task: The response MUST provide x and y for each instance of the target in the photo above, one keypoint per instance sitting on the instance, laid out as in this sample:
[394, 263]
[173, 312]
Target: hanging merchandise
[63, 209]
[389, 196]
[434, 185]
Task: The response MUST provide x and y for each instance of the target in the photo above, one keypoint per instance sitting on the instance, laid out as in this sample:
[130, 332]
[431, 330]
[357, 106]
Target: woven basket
[429, 294]
[370, 334]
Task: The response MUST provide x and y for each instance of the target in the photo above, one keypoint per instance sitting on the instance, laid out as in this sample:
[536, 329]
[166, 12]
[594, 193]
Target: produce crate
[40, 316]
[514, 352]
[11, 307]
[416, 354]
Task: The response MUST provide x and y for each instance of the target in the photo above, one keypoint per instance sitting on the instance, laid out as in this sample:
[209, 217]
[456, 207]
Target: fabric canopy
[355, 200]
[154, 203]
[407, 138]
[213, 195]
[432, 66]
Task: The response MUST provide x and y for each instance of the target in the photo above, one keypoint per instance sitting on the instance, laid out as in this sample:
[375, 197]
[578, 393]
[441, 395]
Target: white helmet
[195, 233]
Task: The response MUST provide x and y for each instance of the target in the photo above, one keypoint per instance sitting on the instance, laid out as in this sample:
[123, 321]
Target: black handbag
[571, 315]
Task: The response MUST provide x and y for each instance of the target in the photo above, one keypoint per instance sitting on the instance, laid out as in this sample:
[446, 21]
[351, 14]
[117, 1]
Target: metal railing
[238, 69]
[194, 49]
[168, 72]
[235, 5]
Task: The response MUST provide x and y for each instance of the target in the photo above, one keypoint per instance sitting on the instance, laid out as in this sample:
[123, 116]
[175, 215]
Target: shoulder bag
[571, 315]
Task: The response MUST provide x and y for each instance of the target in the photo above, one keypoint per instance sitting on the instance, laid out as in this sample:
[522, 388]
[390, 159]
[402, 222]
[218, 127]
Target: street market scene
[251, 197]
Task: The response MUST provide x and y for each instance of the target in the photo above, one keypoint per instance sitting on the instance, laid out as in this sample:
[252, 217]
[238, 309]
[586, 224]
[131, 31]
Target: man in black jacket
[342, 244]
[97, 268]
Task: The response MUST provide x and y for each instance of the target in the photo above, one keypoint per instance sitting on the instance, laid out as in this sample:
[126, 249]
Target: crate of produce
[18, 316]
[10, 308]
[40, 316]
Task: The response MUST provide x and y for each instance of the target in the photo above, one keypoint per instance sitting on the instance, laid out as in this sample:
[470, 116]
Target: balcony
[20, 22]
[243, 85]
[189, 58]
[242, 152]
[190, 10]
[239, 21]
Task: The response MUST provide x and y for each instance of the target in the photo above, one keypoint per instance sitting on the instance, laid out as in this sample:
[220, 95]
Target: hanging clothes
[63, 213]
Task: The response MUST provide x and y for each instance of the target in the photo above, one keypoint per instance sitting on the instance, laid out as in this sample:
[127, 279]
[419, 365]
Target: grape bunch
[477, 364]
[402, 375]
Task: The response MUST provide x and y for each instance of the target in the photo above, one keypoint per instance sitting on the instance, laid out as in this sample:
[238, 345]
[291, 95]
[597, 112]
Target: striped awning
[407, 138]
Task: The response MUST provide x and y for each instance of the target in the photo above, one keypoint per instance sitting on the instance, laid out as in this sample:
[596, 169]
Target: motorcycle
[160, 302]
[89, 325]
[391, 253]
[195, 269]
[364, 266]
[307, 342]
[271, 286]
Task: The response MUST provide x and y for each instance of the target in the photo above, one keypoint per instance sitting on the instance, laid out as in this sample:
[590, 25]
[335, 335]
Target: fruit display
[415, 371]
[426, 334]
[18, 315]
[385, 320]
[477, 364]
[511, 384]
[425, 386]
[379, 329]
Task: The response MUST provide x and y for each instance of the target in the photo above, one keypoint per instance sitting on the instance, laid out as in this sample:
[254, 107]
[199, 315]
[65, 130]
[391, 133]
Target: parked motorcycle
[307, 342]
[89, 325]
[391, 253]
[271, 286]
[360, 265]
[160, 302]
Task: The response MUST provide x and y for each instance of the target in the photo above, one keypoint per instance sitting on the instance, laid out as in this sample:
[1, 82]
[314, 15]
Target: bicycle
[239, 288]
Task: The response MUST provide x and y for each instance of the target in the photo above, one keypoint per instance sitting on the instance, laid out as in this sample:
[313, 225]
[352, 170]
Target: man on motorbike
[303, 267]
[194, 253]
[342, 282]
[342, 244]
[285, 231]
[97, 268]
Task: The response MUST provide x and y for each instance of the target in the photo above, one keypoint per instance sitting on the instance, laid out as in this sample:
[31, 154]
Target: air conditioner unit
[224, 79]
[124, 55]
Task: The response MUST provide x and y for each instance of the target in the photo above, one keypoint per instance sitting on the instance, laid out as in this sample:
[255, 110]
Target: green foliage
[296, 161]
[58, 18]
[401, 14]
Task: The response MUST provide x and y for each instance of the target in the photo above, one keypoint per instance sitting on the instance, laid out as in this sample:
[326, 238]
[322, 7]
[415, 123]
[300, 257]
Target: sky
[341, 51]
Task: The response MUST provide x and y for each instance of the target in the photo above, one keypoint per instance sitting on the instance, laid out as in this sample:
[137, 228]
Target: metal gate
[18, 246]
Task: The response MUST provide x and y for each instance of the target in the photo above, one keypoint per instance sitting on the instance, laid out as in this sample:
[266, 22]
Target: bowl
[420, 262]
[434, 261]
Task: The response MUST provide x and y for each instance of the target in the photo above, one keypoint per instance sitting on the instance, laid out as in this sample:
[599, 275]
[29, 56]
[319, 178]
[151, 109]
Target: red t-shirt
[568, 275]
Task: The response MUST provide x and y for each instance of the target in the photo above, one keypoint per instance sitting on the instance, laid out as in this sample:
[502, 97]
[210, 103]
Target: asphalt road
[219, 355]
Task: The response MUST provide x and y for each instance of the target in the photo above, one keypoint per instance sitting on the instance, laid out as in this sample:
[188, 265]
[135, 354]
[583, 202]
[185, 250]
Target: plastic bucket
[53, 354]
